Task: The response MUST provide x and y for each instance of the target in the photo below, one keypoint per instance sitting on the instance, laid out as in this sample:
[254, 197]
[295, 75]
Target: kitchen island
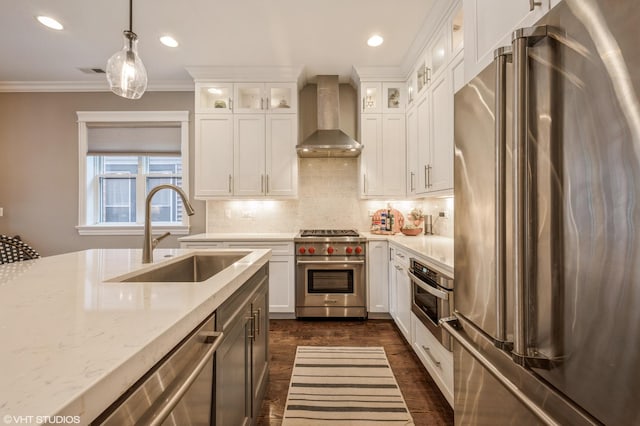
[73, 340]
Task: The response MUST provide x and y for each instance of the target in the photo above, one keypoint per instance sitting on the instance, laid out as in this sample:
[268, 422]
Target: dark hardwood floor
[427, 405]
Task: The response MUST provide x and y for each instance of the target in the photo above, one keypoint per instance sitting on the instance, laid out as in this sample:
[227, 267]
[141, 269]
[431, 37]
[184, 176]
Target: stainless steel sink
[195, 268]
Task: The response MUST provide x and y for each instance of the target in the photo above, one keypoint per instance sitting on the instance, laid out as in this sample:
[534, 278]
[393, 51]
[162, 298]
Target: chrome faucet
[149, 242]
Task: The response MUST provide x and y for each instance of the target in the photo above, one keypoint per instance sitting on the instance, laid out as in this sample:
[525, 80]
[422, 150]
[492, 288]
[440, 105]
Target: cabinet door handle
[362, 104]
[429, 176]
[267, 185]
[430, 355]
[533, 4]
[411, 185]
[257, 321]
[428, 75]
[230, 178]
[230, 104]
[262, 184]
[252, 327]
[268, 106]
[364, 183]
[426, 178]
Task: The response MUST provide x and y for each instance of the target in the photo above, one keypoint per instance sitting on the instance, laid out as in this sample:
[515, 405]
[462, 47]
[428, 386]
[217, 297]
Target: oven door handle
[324, 262]
[426, 287]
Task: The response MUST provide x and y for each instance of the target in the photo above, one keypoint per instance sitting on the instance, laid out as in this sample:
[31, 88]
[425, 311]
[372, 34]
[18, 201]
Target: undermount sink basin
[195, 268]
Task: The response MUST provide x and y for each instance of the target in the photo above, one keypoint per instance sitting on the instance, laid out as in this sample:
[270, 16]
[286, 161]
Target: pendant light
[126, 74]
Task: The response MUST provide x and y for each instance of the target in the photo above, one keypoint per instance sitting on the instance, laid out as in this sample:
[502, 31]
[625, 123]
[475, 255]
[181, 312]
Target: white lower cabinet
[400, 290]
[377, 272]
[436, 358]
[281, 269]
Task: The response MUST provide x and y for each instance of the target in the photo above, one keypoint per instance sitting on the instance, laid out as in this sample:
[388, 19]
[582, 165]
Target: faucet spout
[148, 246]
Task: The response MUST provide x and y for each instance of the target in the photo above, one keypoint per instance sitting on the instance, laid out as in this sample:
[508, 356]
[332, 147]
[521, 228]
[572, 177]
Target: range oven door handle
[333, 262]
[426, 287]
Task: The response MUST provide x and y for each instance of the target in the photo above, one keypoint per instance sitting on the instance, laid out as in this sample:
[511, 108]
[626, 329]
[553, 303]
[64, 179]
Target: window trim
[85, 117]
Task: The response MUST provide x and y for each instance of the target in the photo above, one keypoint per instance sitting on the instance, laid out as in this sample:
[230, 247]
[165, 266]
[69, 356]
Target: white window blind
[133, 139]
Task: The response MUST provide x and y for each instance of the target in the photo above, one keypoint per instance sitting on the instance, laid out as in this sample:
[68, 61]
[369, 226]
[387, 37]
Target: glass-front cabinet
[214, 98]
[457, 31]
[370, 94]
[383, 97]
[439, 51]
[266, 97]
[394, 97]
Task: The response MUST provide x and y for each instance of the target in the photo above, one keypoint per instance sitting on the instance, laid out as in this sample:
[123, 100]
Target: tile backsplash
[327, 198]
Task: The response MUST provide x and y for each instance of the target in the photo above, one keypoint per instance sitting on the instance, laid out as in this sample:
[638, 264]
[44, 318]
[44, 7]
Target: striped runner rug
[338, 385]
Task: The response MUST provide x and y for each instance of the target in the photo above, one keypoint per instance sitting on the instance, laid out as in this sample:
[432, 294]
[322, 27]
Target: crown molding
[88, 86]
[362, 74]
[248, 74]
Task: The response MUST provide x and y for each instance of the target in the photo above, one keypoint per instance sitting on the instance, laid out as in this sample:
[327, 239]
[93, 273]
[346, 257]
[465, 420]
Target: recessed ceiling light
[214, 91]
[49, 22]
[168, 41]
[375, 40]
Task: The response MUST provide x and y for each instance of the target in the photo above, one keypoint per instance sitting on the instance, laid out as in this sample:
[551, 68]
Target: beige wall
[39, 166]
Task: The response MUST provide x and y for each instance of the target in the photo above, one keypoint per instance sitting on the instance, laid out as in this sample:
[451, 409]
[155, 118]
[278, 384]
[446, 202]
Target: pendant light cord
[131, 15]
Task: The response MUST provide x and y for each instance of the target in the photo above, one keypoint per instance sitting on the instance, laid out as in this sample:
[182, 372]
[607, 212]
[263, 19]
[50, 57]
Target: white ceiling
[324, 36]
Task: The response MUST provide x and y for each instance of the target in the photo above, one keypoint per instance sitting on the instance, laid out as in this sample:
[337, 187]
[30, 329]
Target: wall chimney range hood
[329, 140]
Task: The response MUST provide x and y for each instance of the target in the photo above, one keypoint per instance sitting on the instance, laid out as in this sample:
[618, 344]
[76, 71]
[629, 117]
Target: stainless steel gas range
[330, 274]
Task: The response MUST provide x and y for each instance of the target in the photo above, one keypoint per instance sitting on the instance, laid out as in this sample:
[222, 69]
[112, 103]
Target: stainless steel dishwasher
[176, 391]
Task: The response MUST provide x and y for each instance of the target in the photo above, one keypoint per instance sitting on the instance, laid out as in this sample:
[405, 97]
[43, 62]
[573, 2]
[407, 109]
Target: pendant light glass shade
[125, 71]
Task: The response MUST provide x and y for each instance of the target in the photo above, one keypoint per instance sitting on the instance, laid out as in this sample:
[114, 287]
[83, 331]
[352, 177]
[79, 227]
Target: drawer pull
[430, 355]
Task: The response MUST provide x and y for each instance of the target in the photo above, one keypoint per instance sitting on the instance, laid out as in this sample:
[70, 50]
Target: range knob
[312, 250]
[330, 250]
[302, 250]
[349, 250]
[358, 250]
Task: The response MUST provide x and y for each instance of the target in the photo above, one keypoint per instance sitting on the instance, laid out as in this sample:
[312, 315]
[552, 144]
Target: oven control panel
[330, 249]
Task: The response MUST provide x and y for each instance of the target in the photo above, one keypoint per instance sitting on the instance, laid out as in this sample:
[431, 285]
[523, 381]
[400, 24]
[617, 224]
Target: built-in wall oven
[431, 298]
[330, 274]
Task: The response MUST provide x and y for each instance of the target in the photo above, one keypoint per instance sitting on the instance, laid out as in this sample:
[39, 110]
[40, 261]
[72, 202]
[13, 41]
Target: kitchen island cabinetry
[281, 268]
[242, 358]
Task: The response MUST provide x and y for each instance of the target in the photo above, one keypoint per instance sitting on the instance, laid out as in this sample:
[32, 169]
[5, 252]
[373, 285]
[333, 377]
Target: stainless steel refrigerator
[547, 224]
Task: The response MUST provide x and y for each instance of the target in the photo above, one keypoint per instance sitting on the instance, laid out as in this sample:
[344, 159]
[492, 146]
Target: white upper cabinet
[489, 24]
[249, 155]
[371, 98]
[215, 98]
[265, 97]
[213, 155]
[394, 97]
[383, 97]
[245, 138]
[383, 134]
[281, 163]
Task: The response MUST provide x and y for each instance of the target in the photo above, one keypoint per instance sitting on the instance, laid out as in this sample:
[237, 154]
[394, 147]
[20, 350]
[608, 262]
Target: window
[121, 161]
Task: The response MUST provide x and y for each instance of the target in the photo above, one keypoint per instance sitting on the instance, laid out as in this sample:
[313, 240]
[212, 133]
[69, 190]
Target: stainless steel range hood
[329, 140]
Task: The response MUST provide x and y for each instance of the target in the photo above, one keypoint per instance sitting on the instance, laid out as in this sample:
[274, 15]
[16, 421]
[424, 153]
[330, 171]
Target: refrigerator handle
[502, 56]
[523, 345]
[452, 326]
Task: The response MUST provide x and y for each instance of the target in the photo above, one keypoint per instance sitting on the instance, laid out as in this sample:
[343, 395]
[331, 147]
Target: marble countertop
[239, 236]
[435, 250]
[71, 342]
